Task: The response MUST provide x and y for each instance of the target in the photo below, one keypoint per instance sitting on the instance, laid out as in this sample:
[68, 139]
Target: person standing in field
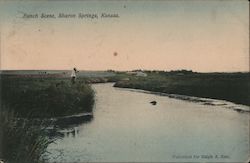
[73, 75]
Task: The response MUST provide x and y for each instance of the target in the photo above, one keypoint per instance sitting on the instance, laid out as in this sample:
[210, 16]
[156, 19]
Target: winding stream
[126, 127]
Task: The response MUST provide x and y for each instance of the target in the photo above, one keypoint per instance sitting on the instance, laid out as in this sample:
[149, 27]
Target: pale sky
[204, 36]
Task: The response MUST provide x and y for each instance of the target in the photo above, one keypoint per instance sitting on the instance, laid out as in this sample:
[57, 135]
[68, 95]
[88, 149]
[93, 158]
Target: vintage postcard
[124, 81]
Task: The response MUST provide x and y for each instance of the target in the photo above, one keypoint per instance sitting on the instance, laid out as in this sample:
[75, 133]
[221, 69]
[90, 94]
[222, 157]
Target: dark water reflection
[68, 126]
[66, 122]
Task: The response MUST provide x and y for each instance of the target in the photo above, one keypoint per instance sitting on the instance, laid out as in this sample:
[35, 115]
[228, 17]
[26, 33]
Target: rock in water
[153, 102]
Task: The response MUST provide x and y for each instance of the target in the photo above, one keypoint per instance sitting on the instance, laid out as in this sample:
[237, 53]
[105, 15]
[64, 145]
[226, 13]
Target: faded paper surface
[202, 36]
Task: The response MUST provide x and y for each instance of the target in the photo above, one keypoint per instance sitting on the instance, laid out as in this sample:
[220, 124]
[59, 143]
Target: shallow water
[126, 127]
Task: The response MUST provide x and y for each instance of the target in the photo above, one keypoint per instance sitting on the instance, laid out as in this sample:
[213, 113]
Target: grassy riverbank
[45, 97]
[234, 87]
[23, 138]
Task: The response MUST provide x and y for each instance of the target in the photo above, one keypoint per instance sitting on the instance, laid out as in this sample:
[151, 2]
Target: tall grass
[23, 137]
[22, 140]
[234, 87]
[46, 97]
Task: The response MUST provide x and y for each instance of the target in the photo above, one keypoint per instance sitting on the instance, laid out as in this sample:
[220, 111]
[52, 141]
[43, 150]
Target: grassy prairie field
[57, 96]
[233, 87]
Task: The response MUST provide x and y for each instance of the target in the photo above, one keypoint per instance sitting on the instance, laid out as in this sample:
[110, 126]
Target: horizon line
[1, 70]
